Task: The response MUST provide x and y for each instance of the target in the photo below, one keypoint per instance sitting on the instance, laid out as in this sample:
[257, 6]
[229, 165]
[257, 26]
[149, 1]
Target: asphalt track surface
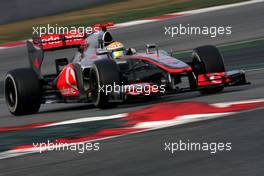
[143, 154]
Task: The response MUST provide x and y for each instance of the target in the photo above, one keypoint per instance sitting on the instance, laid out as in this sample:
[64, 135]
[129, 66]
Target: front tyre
[22, 91]
[208, 59]
[104, 73]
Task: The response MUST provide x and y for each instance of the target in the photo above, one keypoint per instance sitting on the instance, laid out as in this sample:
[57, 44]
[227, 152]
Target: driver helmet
[117, 49]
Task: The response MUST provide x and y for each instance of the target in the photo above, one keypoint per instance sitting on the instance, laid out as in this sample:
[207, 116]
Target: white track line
[254, 69]
[150, 125]
[226, 104]
[215, 8]
[180, 120]
[87, 119]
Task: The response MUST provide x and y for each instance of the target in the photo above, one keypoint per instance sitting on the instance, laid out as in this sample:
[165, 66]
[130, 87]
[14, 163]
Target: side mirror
[151, 46]
[131, 51]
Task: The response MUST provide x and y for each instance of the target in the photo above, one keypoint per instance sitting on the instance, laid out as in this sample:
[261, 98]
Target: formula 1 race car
[106, 76]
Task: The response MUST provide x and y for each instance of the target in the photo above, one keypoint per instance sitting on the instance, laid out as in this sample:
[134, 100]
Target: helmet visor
[119, 53]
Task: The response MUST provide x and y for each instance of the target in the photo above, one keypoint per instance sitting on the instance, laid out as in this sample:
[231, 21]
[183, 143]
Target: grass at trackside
[226, 47]
[118, 11]
[234, 46]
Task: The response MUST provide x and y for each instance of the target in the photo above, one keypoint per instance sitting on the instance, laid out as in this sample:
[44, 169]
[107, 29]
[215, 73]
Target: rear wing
[39, 45]
[58, 41]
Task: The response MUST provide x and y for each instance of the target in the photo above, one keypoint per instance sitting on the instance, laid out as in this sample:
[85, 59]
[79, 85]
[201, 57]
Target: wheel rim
[197, 66]
[10, 93]
[94, 86]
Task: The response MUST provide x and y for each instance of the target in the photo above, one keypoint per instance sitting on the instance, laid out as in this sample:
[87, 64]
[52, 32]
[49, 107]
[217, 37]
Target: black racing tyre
[104, 72]
[22, 91]
[208, 59]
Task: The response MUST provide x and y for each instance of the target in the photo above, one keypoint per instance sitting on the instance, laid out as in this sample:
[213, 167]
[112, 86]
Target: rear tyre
[104, 72]
[208, 59]
[22, 91]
